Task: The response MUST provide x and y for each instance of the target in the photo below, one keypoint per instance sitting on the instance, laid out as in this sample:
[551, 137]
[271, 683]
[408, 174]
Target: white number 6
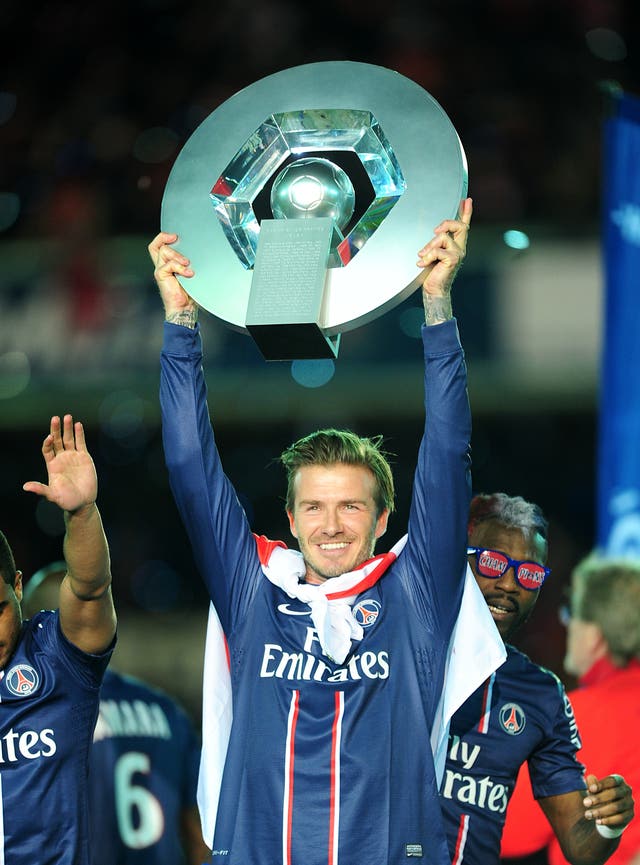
[140, 816]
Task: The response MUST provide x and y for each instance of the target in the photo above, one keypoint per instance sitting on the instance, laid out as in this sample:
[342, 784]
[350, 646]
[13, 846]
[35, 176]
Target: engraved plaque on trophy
[302, 202]
[285, 302]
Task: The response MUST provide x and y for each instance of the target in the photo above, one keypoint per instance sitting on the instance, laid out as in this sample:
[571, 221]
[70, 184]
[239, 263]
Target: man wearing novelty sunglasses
[521, 713]
[494, 569]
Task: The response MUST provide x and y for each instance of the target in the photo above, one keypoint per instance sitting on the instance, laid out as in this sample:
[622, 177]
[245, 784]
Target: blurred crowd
[96, 101]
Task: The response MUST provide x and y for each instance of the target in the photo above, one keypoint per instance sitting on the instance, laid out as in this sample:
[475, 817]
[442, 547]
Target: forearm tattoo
[185, 317]
[437, 309]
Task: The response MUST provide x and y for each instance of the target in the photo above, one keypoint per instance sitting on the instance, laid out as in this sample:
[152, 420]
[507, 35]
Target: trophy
[302, 202]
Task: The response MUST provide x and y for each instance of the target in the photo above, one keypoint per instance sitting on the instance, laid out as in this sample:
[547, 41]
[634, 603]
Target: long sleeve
[214, 519]
[435, 552]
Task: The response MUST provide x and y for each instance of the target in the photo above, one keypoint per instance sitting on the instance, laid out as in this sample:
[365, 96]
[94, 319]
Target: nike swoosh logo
[284, 608]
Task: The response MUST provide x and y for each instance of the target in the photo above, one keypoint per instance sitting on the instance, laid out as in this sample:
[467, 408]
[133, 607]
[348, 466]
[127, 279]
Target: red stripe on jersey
[485, 711]
[226, 652]
[461, 840]
[334, 806]
[287, 810]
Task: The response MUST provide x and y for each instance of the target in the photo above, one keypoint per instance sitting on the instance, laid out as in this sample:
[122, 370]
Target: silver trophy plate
[394, 140]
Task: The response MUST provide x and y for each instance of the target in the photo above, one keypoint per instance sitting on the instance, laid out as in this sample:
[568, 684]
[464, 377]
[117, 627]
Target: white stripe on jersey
[287, 805]
[484, 721]
[461, 840]
[334, 827]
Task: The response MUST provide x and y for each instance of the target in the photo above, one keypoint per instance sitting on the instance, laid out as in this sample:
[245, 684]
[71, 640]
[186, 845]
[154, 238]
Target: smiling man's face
[335, 518]
[510, 605]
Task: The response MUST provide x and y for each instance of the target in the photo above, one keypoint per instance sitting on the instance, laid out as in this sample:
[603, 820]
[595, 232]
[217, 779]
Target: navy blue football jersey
[327, 762]
[48, 708]
[521, 713]
[143, 773]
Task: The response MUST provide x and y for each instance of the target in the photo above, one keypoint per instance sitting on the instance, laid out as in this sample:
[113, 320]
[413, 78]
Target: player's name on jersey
[131, 718]
[469, 789]
[280, 664]
[481, 792]
[26, 744]
[307, 666]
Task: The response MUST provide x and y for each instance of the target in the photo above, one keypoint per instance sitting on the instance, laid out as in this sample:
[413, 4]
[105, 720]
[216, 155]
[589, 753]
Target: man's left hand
[442, 256]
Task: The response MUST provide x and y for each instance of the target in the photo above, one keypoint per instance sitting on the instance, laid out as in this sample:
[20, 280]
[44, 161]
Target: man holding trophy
[337, 658]
[331, 672]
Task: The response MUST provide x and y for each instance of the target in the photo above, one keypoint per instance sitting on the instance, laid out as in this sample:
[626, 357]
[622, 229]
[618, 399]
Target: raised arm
[87, 614]
[442, 485]
[220, 535]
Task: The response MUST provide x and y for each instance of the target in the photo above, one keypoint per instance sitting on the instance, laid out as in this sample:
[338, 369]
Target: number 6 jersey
[144, 768]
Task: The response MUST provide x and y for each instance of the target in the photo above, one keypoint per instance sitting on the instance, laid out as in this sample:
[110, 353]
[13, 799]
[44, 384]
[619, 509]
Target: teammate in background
[143, 768]
[337, 659]
[521, 714]
[52, 666]
[603, 651]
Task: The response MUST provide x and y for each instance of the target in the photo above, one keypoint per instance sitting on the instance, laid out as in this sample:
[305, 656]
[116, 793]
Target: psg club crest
[22, 680]
[366, 612]
[512, 719]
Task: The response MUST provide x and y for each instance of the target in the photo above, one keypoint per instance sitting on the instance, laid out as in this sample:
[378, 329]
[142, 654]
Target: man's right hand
[168, 262]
